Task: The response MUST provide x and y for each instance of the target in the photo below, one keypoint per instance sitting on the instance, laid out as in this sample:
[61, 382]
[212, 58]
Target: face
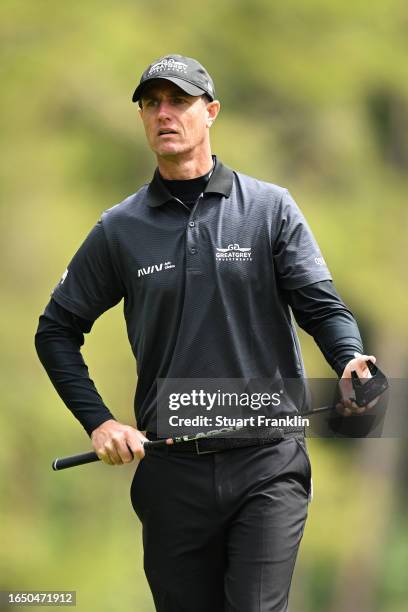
[175, 122]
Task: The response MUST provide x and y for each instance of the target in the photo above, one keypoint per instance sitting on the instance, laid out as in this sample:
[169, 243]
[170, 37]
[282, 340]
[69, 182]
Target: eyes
[176, 101]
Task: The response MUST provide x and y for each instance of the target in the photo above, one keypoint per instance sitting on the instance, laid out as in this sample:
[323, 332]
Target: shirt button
[191, 224]
[193, 251]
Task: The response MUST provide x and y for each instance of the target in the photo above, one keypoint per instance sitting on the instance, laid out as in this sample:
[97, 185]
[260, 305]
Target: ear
[213, 108]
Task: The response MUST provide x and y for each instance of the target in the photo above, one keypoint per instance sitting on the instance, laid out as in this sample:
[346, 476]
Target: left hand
[347, 406]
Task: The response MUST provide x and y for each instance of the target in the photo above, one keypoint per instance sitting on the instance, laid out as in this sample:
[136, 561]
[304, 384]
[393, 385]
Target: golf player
[211, 264]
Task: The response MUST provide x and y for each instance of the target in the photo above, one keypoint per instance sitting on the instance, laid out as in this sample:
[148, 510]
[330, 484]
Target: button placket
[192, 244]
[192, 240]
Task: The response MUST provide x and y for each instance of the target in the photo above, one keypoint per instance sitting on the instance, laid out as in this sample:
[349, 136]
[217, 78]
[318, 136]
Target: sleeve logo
[64, 276]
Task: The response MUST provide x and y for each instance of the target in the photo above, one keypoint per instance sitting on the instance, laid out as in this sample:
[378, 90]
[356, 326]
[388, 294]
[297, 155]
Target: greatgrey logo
[167, 265]
[168, 64]
[234, 252]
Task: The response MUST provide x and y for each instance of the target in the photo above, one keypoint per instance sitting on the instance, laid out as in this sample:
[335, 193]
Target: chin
[169, 151]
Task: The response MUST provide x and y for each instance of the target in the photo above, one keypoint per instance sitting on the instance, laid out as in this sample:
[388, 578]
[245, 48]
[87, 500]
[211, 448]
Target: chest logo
[233, 252]
[167, 265]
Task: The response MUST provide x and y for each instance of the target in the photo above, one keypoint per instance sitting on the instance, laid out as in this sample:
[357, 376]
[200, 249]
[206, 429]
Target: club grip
[74, 460]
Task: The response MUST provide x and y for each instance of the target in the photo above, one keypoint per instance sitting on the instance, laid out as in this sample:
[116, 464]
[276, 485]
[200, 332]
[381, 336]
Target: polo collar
[220, 182]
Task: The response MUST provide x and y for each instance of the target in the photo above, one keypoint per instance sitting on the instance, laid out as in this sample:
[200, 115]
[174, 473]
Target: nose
[163, 110]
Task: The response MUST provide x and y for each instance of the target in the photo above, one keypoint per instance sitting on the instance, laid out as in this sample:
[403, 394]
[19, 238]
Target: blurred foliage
[314, 97]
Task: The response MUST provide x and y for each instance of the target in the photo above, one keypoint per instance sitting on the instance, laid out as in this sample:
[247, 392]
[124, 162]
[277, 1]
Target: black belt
[203, 446]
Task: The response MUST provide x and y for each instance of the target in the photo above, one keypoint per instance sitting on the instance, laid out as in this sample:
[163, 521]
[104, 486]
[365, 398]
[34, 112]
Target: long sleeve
[58, 341]
[319, 310]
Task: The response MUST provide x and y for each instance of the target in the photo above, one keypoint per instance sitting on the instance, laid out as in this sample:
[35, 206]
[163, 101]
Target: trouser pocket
[136, 490]
[302, 445]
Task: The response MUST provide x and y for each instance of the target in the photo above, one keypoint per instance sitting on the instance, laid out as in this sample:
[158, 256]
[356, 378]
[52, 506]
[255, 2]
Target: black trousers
[221, 531]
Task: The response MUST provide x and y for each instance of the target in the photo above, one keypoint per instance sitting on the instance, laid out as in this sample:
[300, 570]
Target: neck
[184, 168]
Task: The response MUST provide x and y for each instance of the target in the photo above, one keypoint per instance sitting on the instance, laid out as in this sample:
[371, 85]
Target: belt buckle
[200, 452]
[276, 434]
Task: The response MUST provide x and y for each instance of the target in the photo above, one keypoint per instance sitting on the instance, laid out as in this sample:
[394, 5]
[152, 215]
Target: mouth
[166, 132]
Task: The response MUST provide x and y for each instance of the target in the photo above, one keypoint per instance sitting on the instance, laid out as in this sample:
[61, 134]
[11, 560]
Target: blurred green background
[315, 98]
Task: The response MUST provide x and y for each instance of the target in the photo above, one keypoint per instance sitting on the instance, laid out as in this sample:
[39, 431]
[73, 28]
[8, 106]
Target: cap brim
[189, 88]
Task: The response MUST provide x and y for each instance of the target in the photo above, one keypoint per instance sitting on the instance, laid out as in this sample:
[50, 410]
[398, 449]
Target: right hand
[114, 442]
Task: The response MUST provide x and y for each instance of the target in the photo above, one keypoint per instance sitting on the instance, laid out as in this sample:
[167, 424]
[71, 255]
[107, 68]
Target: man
[222, 520]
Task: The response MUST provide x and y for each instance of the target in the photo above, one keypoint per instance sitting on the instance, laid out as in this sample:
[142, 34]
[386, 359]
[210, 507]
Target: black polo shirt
[202, 288]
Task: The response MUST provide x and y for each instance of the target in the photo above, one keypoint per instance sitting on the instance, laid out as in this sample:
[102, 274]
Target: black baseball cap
[185, 72]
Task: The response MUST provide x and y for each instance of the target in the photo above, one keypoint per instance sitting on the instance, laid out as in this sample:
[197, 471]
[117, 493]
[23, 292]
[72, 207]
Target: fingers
[360, 365]
[116, 452]
[347, 406]
[135, 443]
[124, 447]
[107, 453]
[116, 444]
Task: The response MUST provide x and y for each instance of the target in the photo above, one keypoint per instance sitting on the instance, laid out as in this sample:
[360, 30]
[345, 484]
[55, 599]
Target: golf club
[365, 392]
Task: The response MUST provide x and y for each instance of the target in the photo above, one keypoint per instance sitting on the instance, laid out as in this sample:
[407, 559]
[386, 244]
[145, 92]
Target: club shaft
[74, 460]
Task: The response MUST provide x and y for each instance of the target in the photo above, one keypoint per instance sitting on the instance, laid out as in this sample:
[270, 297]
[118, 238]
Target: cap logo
[168, 64]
